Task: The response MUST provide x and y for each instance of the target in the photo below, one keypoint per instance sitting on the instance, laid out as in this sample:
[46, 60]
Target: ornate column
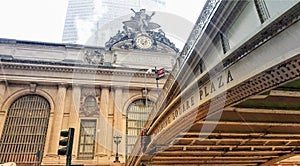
[57, 120]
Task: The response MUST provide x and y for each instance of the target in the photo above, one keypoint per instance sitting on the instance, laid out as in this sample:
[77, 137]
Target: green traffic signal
[62, 151]
[64, 133]
[66, 143]
[63, 142]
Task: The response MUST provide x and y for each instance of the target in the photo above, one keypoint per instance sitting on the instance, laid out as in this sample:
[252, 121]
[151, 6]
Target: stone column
[119, 123]
[118, 110]
[102, 123]
[74, 106]
[74, 114]
[110, 123]
[2, 98]
[57, 120]
[2, 91]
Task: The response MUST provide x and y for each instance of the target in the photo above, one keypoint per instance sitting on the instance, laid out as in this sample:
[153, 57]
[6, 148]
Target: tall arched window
[25, 130]
[137, 114]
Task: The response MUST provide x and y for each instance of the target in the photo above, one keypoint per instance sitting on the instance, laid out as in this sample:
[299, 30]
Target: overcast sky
[43, 20]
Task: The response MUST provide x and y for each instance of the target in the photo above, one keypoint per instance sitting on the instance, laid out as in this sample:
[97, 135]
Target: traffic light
[66, 144]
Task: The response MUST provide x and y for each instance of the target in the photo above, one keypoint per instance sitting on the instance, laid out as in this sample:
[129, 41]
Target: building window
[137, 114]
[87, 139]
[25, 130]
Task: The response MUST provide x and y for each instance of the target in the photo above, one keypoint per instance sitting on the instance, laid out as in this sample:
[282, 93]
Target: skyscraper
[84, 17]
[77, 10]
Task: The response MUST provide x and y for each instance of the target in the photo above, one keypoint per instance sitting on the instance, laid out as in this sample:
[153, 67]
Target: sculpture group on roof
[140, 23]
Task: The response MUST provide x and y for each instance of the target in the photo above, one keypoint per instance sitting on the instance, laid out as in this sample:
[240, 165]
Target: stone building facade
[101, 92]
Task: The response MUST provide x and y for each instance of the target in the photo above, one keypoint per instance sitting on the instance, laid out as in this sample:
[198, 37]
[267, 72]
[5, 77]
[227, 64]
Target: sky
[43, 20]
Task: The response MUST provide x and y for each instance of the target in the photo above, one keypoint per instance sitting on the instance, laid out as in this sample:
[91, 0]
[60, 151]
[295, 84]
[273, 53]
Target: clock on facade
[143, 42]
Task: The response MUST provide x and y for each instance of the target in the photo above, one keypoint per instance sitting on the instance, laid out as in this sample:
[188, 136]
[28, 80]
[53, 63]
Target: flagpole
[146, 90]
[145, 87]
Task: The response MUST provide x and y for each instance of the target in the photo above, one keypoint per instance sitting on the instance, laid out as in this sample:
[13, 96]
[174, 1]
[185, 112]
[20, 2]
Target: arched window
[137, 114]
[25, 130]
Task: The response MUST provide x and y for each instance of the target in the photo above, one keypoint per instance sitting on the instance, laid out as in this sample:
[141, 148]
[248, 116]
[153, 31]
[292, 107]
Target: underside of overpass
[261, 130]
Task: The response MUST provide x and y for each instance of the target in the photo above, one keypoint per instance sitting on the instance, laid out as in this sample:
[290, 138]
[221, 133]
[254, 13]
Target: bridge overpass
[233, 97]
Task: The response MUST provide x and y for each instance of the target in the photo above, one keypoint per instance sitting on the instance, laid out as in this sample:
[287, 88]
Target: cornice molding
[75, 69]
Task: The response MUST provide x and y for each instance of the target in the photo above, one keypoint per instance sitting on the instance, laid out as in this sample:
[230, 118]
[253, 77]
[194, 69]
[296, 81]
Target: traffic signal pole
[70, 147]
[67, 144]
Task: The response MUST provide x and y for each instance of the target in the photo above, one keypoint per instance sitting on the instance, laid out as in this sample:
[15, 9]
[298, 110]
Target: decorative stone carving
[94, 56]
[160, 37]
[139, 24]
[87, 107]
[32, 87]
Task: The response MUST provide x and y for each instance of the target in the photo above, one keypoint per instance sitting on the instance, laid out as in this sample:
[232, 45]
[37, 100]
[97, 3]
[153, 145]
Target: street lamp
[117, 141]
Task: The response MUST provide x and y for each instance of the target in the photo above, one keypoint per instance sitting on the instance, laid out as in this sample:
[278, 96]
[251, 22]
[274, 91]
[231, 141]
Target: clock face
[143, 42]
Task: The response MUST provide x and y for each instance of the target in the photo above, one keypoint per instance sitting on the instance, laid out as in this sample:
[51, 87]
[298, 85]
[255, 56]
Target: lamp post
[117, 141]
